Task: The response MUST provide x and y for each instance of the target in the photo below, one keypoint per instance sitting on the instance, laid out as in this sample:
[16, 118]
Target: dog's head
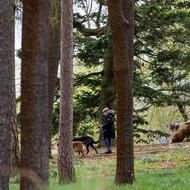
[174, 126]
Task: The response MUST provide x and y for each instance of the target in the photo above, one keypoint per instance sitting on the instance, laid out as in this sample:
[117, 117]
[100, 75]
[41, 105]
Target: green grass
[177, 179]
[98, 173]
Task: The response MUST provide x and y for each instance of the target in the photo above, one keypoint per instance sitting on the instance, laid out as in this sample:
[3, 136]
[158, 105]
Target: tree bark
[34, 95]
[53, 62]
[5, 91]
[65, 153]
[121, 17]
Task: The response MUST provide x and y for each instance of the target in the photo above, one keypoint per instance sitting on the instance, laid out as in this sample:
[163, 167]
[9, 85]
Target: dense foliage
[161, 65]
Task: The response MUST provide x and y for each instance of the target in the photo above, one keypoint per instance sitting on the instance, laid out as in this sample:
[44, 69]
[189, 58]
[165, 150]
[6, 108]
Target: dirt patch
[140, 149]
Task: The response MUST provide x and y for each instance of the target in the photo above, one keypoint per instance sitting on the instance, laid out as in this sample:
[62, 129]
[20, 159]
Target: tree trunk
[5, 91]
[53, 62]
[65, 153]
[34, 95]
[182, 111]
[122, 24]
[108, 84]
[15, 158]
[108, 96]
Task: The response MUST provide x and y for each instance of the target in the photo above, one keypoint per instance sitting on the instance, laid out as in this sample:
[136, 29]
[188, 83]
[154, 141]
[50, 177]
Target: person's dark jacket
[108, 126]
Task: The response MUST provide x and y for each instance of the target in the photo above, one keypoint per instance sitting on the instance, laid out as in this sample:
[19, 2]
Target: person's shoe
[108, 152]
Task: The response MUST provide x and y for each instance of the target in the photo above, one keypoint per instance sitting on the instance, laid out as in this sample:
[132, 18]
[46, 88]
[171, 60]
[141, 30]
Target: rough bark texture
[180, 131]
[5, 91]
[34, 94]
[15, 157]
[65, 154]
[122, 25]
[53, 61]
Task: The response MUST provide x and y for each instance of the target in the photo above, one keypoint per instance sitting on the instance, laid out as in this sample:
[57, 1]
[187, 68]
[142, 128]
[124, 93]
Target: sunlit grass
[177, 179]
[163, 171]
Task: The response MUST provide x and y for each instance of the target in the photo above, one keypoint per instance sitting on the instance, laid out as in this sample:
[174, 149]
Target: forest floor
[164, 156]
[157, 167]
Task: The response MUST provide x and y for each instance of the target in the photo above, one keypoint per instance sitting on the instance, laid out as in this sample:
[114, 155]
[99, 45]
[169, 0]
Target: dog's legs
[82, 154]
[94, 148]
[87, 150]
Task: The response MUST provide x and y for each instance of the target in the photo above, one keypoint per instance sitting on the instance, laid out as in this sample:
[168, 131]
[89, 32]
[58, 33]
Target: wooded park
[87, 67]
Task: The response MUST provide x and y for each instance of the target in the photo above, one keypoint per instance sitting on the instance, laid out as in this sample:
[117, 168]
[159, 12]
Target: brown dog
[78, 145]
[174, 126]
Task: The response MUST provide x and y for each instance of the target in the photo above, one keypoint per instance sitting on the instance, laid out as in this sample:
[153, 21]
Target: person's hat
[105, 109]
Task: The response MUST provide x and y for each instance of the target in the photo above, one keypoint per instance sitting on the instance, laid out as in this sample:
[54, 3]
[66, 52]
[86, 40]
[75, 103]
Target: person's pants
[107, 142]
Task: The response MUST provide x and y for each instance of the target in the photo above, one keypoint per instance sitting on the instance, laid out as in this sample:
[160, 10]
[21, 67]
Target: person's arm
[100, 130]
[108, 121]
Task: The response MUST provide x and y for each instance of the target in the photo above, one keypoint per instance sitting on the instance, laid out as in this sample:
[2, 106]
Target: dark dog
[87, 141]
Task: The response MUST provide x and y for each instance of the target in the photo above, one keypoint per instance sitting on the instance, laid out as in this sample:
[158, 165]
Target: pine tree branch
[81, 78]
[92, 32]
[87, 31]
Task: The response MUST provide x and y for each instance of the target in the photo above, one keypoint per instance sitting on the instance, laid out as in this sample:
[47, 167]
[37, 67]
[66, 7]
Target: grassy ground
[155, 170]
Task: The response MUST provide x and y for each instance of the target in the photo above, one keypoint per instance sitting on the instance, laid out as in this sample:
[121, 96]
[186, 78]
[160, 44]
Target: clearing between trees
[169, 155]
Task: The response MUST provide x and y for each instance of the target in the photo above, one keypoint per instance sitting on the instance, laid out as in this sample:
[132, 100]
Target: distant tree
[102, 46]
[66, 170]
[53, 58]
[161, 64]
[34, 95]
[162, 54]
[96, 49]
[121, 16]
[6, 63]
[107, 94]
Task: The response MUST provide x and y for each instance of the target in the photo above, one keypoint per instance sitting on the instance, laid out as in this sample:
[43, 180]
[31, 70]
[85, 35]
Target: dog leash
[88, 141]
